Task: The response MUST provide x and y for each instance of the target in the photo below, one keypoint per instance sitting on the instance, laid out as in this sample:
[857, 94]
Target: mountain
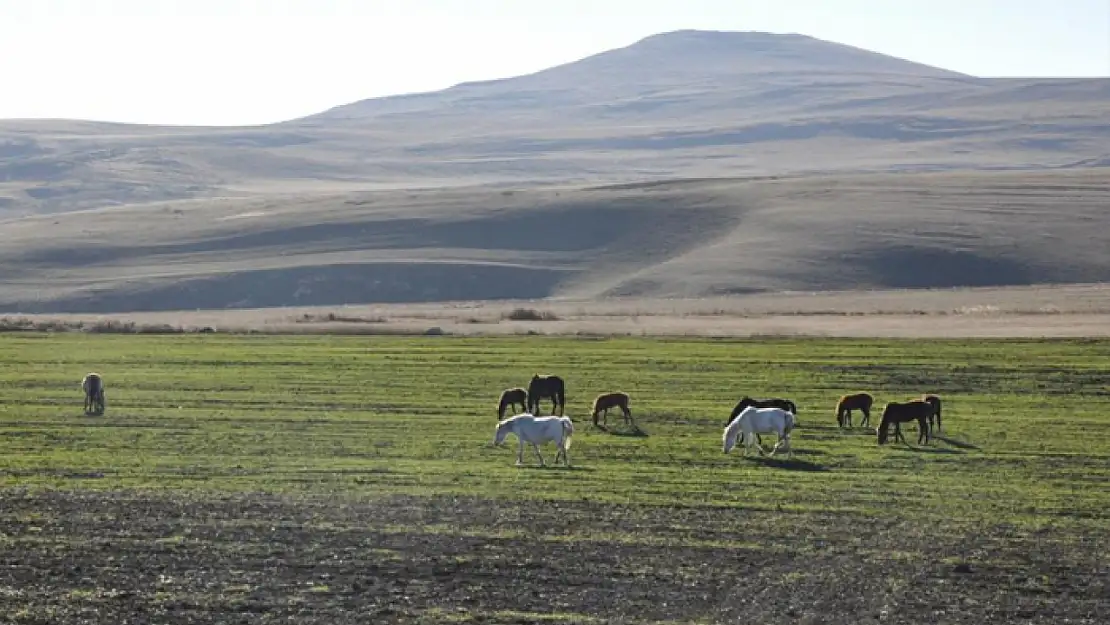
[687, 163]
[686, 103]
[696, 62]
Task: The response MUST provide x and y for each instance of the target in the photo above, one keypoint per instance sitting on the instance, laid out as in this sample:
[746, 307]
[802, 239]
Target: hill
[681, 104]
[681, 238]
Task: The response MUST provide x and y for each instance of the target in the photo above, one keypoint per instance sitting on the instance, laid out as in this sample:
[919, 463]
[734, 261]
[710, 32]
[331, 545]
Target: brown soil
[137, 558]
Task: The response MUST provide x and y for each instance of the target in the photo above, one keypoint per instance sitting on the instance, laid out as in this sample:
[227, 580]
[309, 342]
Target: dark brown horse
[605, 401]
[550, 386]
[898, 413]
[935, 401]
[858, 401]
[93, 385]
[512, 397]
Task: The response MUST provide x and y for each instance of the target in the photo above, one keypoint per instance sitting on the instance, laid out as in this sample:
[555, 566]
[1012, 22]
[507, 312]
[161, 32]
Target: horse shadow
[810, 452]
[635, 432]
[789, 464]
[556, 467]
[927, 450]
[958, 444]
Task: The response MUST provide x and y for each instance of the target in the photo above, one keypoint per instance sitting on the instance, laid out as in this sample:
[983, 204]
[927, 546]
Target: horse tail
[561, 391]
[568, 432]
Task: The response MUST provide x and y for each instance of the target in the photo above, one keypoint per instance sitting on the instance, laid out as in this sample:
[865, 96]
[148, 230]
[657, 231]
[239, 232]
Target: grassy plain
[340, 479]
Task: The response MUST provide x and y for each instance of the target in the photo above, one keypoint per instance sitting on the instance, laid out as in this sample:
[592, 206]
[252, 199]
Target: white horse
[536, 431]
[93, 385]
[752, 421]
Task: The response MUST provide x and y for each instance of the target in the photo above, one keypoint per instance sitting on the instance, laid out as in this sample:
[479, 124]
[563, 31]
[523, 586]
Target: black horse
[903, 412]
[935, 401]
[550, 386]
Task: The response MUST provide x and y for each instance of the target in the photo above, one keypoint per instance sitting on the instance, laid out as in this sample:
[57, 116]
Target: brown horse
[512, 397]
[93, 385]
[935, 401]
[542, 386]
[605, 401]
[848, 403]
[903, 412]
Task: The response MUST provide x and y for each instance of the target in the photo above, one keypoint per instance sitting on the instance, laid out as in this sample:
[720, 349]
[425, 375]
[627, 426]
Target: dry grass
[679, 239]
[1050, 311]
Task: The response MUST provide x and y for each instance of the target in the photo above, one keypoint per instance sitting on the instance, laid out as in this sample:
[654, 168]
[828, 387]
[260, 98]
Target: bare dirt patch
[131, 557]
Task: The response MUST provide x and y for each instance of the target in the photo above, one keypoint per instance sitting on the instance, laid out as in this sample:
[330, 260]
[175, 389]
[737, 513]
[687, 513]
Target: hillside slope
[687, 103]
[685, 238]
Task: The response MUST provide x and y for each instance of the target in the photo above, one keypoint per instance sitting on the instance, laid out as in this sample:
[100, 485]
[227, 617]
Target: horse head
[503, 429]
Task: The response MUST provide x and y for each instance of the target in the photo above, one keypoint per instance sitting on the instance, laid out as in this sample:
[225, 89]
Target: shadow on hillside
[324, 285]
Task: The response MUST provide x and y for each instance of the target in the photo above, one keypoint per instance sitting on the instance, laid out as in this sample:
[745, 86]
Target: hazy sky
[260, 61]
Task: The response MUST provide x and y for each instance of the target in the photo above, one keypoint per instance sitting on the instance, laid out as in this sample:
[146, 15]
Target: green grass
[1026, 421]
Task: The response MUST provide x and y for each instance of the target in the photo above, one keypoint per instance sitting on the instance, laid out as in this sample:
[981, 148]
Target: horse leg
[520, 453]
[866, 417]
[898, 433]
[759, 446]
[539, 455]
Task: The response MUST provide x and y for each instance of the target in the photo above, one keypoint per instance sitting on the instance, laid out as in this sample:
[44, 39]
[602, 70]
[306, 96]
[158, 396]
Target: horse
[510, 397]
[542, 386]
[774, 402]
[536, 431]
[848, 403]
[752, 421]
[935, 401]
[903, 412]
[784, 404]
[605, 401]
[93, 385]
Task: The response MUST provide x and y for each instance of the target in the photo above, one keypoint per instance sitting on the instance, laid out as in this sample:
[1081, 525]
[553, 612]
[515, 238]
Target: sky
[240, 62]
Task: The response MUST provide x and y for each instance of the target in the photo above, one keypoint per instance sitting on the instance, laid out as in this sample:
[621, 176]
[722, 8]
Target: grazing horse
[935, 401]
[93, 385]
[542, 386]
[510, 397]
[903, 412]
[848, 403]
[536, 431]
[774, 402]
[605, 401]
[752, 421]
[745, 401]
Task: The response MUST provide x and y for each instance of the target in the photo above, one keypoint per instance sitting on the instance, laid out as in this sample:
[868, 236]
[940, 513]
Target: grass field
[350, 479]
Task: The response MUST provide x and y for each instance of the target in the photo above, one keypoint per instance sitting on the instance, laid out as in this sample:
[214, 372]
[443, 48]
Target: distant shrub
[112, 326]
[531, 314]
